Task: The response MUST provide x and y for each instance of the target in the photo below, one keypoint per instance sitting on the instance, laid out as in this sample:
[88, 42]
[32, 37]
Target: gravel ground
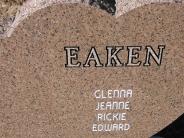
[8, 10]
[107, 5]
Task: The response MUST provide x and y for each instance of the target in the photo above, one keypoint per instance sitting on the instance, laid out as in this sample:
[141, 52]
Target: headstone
[113, 7]
[75, 71]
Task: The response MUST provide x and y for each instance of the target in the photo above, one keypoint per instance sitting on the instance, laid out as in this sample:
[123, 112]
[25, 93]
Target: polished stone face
[107, 5]
[112, 58]
[39, 97]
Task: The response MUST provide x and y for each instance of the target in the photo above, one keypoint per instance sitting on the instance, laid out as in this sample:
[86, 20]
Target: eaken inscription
[112, 56]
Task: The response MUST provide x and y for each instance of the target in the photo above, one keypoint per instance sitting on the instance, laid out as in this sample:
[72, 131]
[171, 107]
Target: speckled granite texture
[41, 98]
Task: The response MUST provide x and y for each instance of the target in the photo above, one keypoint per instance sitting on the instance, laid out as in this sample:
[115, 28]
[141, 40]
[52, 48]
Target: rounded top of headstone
[41, 97]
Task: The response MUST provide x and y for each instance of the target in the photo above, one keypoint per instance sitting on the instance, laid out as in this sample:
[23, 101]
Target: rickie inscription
[108, 103]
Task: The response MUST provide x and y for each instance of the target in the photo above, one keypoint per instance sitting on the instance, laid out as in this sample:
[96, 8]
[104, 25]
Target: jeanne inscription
[111, 115]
